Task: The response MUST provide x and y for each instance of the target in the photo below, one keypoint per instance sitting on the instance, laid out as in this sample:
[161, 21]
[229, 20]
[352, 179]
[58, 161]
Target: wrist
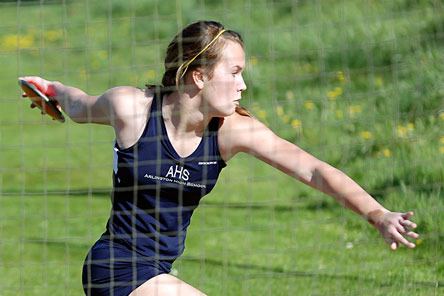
[374, 216]
[54, 88]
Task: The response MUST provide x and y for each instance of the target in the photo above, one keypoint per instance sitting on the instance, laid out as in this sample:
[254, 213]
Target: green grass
[363, 79]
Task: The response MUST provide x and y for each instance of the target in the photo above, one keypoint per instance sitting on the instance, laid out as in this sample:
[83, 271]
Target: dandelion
[253, 61]
[333, 94]
[340, 76]
[279, 111]
[354, 110]
[296, 124]
[379, 82]
[289, 95]
[53, 35]
[401, 131]
[404, 131]
[441, 149]
[441, 140]
[309, 105]
[12, 41]
[386, 152]
[262, 114]
[339, 114]
[338, 91]
[441, 116]
[366, 135]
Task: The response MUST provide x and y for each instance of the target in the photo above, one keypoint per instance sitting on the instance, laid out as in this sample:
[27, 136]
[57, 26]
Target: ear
[198, 78]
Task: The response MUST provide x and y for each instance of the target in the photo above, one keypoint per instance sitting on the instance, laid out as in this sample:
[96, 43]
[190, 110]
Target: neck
[183, 113]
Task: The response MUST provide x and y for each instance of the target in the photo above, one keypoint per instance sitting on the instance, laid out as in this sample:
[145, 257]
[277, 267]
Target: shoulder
[130, 107]
[123, 95]
[240, 133]
[127, 102]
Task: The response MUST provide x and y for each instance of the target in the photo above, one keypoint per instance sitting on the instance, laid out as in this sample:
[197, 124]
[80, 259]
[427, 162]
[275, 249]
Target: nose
[242, 85]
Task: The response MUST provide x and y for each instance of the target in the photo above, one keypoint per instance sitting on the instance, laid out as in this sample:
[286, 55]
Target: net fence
[358, 84]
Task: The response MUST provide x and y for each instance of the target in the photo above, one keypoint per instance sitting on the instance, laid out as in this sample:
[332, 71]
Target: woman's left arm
[252, 137]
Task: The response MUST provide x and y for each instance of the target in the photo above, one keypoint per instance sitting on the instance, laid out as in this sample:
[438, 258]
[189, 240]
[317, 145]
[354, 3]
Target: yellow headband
[184, 67]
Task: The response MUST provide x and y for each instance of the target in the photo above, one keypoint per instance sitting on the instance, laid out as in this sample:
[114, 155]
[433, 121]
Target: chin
[226, 110]
[227, 113]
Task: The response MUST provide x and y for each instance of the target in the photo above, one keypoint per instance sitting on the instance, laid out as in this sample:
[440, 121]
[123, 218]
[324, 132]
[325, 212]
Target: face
[222, 91]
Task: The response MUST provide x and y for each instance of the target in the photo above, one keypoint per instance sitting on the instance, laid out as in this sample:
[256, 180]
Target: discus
[39, 99]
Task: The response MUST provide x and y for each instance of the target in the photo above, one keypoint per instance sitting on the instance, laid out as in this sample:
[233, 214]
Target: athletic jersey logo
[206, 162]
[178, 172]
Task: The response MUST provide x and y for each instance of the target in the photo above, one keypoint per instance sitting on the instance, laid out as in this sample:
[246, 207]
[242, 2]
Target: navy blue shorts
[111, 268]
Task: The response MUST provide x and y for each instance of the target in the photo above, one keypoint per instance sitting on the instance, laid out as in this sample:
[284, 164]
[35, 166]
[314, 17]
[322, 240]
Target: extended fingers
[412, 234]
[408, 224]
[407, 215]
[398, 238]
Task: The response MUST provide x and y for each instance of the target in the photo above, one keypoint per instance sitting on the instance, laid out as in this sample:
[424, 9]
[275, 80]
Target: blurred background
[357, 83]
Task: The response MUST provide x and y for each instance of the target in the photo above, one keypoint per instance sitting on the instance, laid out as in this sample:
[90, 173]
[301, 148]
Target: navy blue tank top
[156, 191]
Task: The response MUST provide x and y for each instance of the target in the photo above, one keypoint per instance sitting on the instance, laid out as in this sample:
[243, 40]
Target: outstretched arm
[110, 108]
[246, 134]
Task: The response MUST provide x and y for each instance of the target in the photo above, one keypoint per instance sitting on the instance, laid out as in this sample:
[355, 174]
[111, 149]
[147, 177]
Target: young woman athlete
[172, 141]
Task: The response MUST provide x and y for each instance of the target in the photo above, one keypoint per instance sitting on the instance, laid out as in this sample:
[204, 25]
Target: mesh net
[358, 84]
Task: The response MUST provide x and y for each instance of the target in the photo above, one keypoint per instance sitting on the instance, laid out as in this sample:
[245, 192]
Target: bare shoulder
[131, 107]
[128, 98]
[240, 133]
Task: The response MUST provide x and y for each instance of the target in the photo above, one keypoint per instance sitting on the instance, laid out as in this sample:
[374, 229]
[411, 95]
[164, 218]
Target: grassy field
[359, 84]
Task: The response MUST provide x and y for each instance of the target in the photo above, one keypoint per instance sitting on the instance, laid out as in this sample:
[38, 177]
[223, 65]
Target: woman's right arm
[113, 107]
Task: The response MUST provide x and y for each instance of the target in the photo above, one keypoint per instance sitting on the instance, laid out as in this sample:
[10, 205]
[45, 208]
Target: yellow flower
[262, 114]
[354, 109]
[279, 111]
[366, 135]
[253, 61]
[379, 82]
[338, 90]
[309, 105]
[296, 123]
[333, 94]
[12, 41]
[339, 114]
[441, 116]
[404, 131]
[441, 140]
[401, 131]
[53, 35]
[441, 149]
[340, 76]
[386, 152]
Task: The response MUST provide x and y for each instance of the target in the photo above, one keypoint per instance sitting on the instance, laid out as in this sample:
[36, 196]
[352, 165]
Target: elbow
[319, 175]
